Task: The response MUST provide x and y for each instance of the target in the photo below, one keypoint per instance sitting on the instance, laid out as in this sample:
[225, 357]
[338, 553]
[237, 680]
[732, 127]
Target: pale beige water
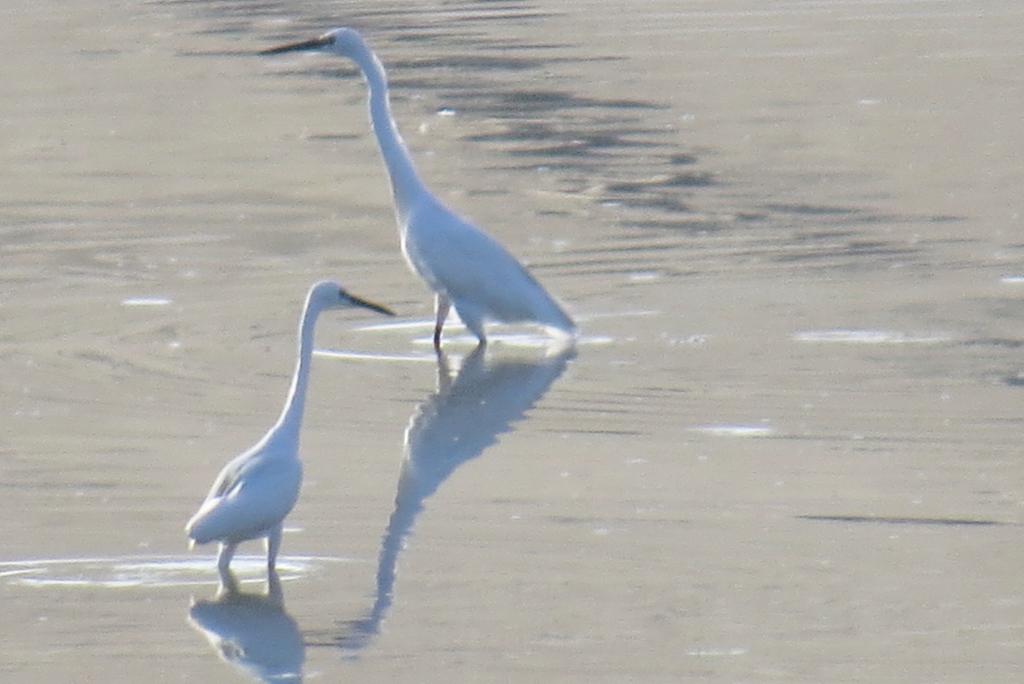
[787, 449]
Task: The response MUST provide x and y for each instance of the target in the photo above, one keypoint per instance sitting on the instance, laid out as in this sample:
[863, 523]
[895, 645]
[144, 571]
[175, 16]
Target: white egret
[464, 266]
[255, 491]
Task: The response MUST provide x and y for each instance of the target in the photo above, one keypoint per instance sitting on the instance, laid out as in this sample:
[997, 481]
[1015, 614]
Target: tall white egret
[462, 264]
[255, 491]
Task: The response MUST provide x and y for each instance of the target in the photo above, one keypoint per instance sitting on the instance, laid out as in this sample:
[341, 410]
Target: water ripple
[123, 572]
[854, 336]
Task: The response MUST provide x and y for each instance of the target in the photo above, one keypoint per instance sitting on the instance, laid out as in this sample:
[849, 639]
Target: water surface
[787, 448]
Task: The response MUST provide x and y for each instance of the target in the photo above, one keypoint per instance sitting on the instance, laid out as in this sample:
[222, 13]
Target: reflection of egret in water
[252, 632]
[461, 419]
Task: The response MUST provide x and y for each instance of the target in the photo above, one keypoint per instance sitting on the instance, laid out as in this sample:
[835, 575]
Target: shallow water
[786, 449]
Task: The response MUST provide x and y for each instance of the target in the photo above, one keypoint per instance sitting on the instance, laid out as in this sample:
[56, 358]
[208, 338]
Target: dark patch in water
[1001, 342]
[811, 210]
[682, 159]
[887, 520]
[678, 180]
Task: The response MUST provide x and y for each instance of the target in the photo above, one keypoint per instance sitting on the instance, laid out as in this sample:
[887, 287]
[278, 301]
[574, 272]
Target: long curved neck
[406, 185]
[290, 421]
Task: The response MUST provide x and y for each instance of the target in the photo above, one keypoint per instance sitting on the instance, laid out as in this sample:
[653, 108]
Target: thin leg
[444, 372]
[274, 588]
[475, 325]
[228, 583]
[441, 306]
[273, 545]
[227, 552]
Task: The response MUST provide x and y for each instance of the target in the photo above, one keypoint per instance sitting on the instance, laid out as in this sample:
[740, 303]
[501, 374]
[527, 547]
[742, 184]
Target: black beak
[368, 305]
[314, 44]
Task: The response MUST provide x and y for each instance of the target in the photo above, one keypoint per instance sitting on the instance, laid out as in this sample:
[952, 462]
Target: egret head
[330, 295]
[342, 41]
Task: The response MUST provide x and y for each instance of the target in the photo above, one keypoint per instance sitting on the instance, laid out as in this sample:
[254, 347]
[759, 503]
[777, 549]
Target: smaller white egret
[462, 264]
[255, 491]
